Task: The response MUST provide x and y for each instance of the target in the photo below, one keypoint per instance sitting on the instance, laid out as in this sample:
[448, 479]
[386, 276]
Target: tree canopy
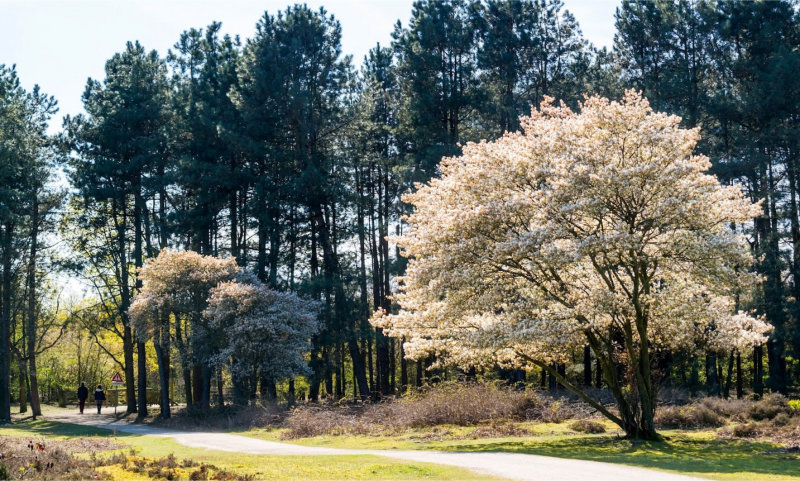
[598, 227]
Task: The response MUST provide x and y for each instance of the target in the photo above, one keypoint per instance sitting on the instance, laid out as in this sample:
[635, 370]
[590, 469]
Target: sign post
[116, 380]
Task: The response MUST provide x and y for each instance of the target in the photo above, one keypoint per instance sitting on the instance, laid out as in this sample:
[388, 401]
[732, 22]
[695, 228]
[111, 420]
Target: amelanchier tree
[260, 328]
[176, 287]
[219, 316]
[597, 228]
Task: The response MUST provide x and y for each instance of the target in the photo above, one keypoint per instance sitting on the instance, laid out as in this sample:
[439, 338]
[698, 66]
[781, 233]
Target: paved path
[521, 467]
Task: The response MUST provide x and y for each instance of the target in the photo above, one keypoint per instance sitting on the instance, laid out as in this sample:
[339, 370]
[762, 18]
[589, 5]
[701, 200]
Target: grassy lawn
[697, 453]
[259, 466]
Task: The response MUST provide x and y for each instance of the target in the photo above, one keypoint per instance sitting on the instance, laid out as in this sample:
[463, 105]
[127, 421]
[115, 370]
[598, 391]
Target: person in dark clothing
[83, 394]
[99, 397]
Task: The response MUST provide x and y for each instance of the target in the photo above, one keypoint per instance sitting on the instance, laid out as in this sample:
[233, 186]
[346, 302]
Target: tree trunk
[598, 375]
[141, 371]
[125, 302]
[23, 391]
[712, 381]
[261, 250]
[758, 371]
[587, 366]
[197, 385]
[290, 400]
[220, 389]
[403, 367]
[5, 327]
[206, 383]
[739, 379]
[269, 391]
[239, 386]
[382, 348]
[185, 368]
[233, 216]
[333, 273]
[31, 331]
[162, 358]
[694, 376]
[138, 257]
[726, 392]
[274, 246]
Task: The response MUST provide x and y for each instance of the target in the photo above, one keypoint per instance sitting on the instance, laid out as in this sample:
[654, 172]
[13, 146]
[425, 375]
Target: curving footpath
[521, 467]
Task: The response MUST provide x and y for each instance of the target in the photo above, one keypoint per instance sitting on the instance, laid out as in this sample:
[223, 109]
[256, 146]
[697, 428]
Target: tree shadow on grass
[677, 453]
[43, 427]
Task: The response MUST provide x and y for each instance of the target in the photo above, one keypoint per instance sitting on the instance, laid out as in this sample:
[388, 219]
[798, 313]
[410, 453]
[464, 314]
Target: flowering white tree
[221, 316]
[599, 227]
[176, 286]
[261, 328]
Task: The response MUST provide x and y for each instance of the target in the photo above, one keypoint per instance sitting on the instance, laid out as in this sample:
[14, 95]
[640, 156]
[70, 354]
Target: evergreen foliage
[276, 152]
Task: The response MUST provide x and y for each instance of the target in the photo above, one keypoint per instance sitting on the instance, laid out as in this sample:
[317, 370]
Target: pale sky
[60, 43]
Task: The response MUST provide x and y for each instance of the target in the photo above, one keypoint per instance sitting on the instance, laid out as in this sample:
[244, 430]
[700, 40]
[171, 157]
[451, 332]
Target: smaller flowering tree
[597, 228]
[218, 315]
[261, 328]
[169, 307]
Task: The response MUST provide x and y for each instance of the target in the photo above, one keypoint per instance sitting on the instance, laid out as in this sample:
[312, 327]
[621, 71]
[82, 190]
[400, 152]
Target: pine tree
[436, 65]
[119, 144]
[24, 157]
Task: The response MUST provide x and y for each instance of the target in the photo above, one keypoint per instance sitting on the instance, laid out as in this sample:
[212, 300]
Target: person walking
[83, 394]
[99, 397]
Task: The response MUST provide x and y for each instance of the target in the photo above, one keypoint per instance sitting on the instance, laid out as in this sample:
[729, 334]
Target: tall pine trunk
[5, 326]
[138, 255]
[162, 345]
[31, 331]
[125, 302]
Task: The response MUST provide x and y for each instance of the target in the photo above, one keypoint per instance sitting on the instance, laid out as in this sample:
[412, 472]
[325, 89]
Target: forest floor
[257, 453]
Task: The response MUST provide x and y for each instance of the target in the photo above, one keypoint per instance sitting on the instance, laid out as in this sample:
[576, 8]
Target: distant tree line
[277, 152]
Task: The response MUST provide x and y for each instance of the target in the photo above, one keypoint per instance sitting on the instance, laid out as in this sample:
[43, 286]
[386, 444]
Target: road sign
[116, 380]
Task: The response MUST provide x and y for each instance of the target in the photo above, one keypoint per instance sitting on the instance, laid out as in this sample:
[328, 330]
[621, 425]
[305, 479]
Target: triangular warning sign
[116, 378]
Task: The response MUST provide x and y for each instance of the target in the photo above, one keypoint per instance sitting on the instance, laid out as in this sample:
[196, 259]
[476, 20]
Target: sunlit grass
[696, 453]
[260, 466]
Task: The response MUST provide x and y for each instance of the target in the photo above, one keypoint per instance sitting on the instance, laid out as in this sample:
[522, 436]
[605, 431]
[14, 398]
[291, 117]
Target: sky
[58, 44]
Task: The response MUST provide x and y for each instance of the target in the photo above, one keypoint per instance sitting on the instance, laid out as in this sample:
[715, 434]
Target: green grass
[54, 430]
[696, 453]
[260, 466]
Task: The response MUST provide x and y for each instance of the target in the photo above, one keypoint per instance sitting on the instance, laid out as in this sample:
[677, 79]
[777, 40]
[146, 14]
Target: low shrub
[693, 416]
[310, 421]
[443, 404]
[782, 429]
[587, 426]
[465, 405]
[495, 409]
[730, 408]
[225, 417]
[747, 430]
[55, 460]
[781, 419]
[499, 430]
[674, 396]
[768, 407]
[199, 474]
